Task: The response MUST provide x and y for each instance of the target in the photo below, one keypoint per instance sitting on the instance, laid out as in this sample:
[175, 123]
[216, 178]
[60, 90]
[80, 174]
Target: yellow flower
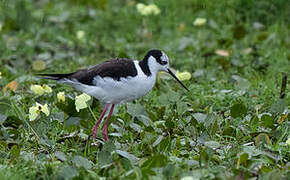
[183, 76]
[34, 111]
[146, 10]
[40, 89]
[61, 97]
[80, 34]
[199, 21]
[288, 141]
[81, 101]
[0, 75]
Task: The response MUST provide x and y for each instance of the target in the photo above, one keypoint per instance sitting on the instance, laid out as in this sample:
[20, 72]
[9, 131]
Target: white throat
[153, 66]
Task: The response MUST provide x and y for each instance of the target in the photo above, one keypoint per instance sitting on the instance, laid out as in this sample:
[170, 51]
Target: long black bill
[173, 75]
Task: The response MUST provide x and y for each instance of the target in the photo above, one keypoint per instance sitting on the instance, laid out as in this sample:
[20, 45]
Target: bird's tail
[54, 76]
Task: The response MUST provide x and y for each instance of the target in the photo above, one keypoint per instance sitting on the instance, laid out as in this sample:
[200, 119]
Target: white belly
[109, 90]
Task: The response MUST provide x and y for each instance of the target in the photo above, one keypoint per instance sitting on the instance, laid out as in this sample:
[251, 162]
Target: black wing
[115, 69]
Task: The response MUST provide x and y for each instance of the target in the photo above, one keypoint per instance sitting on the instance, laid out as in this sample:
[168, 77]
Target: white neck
[153, 66]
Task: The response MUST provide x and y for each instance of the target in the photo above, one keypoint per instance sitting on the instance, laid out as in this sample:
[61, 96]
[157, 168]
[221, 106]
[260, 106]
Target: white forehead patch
[164, 57]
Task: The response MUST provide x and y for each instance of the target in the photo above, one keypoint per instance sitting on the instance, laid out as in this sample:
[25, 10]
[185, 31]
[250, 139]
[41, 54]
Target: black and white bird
[117, 81]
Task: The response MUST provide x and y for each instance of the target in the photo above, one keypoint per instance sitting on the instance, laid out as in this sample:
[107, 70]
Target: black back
[115, 69]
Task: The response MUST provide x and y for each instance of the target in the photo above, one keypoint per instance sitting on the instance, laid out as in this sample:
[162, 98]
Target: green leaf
[212, 144]
[241, 83]
[238, 110]
[104, 158]
[109, 146]
[80, 161]
[60, 155]
[169, 171]
[154, 161]
[72, 121]
[68, 172]
[127, 155]
[200, 117]
[210, 119]
[136, 109]
[243, 157]
[267, 121]
[69, 107]
[173, 96]
[15, 151]
[274, 174]
[239, 32]
[254, 123]
[126, 164]
[278, 106]
[2, 118]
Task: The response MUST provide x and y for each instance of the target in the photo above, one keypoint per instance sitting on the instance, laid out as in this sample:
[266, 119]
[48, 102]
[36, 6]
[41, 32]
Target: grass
[231, 125]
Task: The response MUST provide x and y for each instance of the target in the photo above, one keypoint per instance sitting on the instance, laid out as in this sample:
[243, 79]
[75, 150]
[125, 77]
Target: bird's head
[159, 61]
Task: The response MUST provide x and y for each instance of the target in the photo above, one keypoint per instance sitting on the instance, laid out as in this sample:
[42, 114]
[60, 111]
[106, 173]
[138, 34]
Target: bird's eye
[163, 62]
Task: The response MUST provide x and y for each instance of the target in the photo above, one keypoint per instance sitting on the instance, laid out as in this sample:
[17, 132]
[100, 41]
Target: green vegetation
[231, 125]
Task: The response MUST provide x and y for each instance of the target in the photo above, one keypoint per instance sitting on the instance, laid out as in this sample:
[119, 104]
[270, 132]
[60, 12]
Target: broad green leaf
[126, 164]
[238, 110]
[274, 174]
[241, 83]
[200, 117]
[136, 109]
[60, 155]
[278, 106]
[267, 121]
[169, 171]
[72, 121]
[68, 172]
[243, 157]
[210, 119]
[173, 96]
[104, 158]
[109, 146]
[80, 161]
[229, 131]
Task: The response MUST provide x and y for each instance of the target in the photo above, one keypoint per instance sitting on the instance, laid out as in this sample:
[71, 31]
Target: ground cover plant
[233, 55]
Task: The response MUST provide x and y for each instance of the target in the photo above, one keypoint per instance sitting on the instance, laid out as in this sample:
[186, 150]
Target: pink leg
[105, 129]
[95, 128]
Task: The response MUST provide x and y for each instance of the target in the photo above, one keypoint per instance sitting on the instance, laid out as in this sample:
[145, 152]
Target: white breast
[109, 90]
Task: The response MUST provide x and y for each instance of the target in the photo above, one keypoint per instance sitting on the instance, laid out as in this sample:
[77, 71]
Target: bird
[117, 81]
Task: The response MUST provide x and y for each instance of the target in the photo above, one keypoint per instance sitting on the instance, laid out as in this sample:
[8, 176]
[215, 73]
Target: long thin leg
[105, 129]
[95, 128]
